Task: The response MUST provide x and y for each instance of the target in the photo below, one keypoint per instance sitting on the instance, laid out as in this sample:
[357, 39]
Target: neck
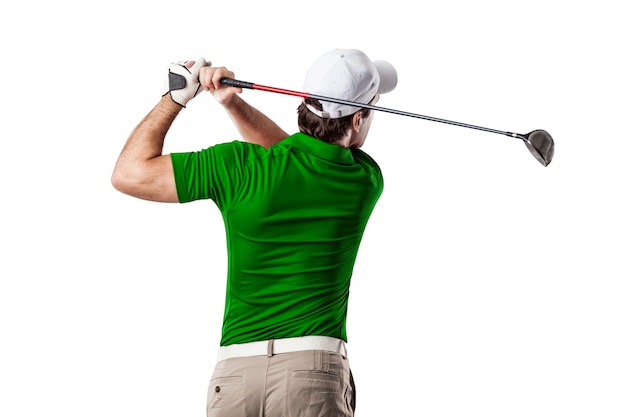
[346, 140]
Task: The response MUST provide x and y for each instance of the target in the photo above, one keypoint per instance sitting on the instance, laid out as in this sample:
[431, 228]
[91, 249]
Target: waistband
[276, 346]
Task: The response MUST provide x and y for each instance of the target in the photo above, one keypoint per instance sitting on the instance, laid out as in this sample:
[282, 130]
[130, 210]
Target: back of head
[346, 74]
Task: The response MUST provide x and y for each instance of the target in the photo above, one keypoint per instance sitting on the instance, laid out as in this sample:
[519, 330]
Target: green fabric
[294, 215]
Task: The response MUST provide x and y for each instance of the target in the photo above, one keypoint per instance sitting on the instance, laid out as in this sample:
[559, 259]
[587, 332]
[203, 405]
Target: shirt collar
[329, 151]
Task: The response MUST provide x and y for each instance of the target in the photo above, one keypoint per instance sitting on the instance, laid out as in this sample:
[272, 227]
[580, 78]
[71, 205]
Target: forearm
[141, 170]
[146, 140]
[254, 126]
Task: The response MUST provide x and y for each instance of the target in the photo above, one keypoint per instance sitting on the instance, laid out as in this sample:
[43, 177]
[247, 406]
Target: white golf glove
[182, 83]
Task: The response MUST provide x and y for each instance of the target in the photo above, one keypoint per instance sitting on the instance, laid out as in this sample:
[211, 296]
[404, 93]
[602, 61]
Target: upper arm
[150, 180]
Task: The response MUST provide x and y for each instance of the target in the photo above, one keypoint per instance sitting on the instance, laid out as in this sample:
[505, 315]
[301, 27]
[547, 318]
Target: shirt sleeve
[212, 173]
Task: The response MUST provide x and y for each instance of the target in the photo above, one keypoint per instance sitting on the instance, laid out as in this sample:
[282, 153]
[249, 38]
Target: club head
[541, 145]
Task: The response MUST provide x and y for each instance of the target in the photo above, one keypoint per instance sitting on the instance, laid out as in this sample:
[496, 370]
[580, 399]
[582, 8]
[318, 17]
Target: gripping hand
[182, 83]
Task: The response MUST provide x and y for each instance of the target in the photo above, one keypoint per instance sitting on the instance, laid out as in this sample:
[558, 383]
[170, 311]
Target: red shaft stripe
[280, 90]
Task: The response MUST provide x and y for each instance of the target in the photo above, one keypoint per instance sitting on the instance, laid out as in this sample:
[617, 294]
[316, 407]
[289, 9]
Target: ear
[357, 121]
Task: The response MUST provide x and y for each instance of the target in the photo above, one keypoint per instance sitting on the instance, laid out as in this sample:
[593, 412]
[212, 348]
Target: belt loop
[270, 348]
[325, 361]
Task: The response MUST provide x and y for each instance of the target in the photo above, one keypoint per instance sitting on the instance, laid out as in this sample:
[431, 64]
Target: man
[295, 209]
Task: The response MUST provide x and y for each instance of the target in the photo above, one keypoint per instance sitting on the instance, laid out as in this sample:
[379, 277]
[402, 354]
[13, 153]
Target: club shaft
[253, 86]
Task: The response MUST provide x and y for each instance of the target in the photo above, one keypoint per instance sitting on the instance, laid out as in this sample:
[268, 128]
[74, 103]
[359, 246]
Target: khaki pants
[310, 383]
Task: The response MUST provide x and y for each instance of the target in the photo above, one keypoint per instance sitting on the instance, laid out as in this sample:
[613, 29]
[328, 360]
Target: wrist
[167, 103]
[234, 103]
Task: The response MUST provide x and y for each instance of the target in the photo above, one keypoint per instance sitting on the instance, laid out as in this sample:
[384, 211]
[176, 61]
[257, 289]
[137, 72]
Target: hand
[210, 80]
[182, 81]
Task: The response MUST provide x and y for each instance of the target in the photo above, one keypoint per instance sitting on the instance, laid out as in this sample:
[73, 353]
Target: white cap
[348, 74]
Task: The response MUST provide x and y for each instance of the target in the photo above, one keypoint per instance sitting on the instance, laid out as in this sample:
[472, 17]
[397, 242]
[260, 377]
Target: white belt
[276, 346]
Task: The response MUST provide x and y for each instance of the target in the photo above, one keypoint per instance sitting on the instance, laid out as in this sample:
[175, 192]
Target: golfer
[295, 208]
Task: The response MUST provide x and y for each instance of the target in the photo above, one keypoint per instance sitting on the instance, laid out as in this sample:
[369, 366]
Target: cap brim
[388, 76]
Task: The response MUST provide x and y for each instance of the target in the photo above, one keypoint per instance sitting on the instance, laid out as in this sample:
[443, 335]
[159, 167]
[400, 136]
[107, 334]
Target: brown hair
[328, 130]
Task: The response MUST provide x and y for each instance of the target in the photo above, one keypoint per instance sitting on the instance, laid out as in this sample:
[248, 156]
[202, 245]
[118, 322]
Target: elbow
[117, 181]
[122, 180]
[146, 180]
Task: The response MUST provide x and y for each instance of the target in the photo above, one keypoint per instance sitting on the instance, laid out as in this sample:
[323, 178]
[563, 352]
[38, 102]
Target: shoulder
[229, 149]
[364, 158]
[223, 157]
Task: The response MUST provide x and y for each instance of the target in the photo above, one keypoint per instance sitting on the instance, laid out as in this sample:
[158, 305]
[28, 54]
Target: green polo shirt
[294, 215]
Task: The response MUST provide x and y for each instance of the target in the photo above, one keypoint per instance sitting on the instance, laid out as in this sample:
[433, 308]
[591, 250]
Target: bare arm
[141, 170]
[254, 126]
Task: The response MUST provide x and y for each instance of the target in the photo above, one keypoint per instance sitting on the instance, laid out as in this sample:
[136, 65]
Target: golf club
[538, 142]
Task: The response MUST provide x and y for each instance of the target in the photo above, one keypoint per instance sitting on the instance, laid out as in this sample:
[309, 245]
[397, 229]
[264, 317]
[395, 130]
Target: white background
[486, 285]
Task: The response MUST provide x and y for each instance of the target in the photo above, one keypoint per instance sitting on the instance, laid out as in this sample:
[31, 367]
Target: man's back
[294, 216]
